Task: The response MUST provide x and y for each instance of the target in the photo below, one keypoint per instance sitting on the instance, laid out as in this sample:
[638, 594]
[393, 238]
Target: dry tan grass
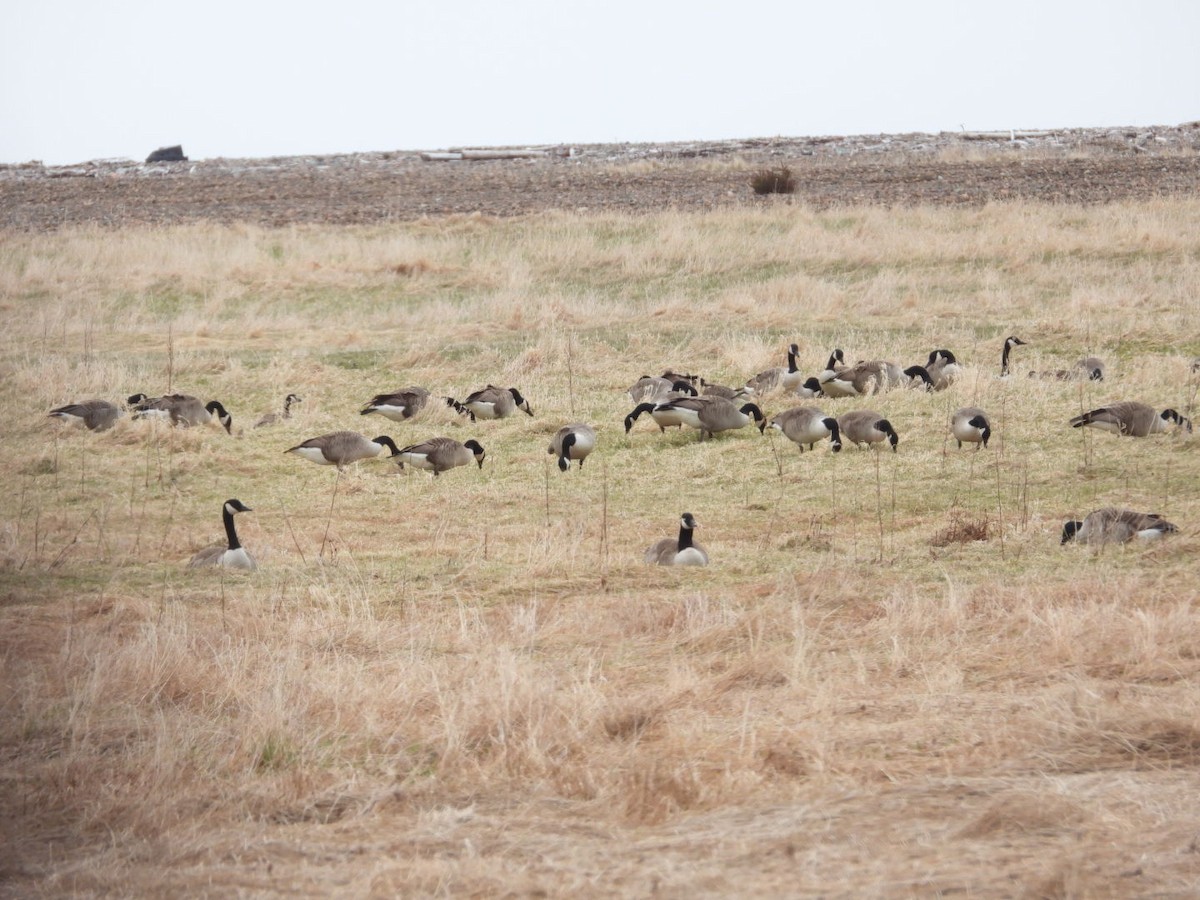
[477, 688]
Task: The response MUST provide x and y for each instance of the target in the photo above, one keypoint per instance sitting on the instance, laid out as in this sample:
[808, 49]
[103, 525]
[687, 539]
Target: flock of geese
[670, 400]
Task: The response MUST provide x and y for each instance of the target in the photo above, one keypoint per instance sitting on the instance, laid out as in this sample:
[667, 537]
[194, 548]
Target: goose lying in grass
[231, 554]
[1132, 419]
[1116, 526]
[680, 551]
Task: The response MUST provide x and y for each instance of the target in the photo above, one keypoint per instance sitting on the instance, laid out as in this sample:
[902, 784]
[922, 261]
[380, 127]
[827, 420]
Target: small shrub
[961, 530]
[774, 181]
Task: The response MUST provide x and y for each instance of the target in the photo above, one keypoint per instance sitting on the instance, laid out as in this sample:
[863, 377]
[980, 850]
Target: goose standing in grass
[440, 454]
[710, 415]
[806, 425]
[572, 442]
[1132, 419]
[661, 411]
[184, 409]
[969, 425]
[94, 415]
[680, 551]
[340, 448]
[786, 378]
[1116, 526]
[493, 402]
[397, 405]
[1009, 343]
[865, 426]
[274, 418]
[231, 554]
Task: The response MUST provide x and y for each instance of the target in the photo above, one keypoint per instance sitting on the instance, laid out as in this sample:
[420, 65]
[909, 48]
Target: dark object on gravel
[167, 154]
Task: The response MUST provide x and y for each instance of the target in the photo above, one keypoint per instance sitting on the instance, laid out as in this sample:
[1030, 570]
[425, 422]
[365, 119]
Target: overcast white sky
[84, 80]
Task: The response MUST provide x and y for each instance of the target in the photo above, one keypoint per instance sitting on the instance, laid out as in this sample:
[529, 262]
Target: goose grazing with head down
[1116, 526]
[273, 418]
[806, 425]
[572, 442]
[184, 409]
[493, 402]
[1009, 343]
[708, 415]
[1132, 419]
[340, 448]
[865, 426]
[397, 405]
[94, 415]
[440, 454]
[231, 554]
[680, 551]
[970, 425]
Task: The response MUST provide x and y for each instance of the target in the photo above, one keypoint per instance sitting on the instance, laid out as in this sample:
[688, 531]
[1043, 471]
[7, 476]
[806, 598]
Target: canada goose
[672, 376]
[870, 377]
[272, 418]
[94, 415]
[340, 448]
[970, 424]
[439, 454]
[835, 364]
[1009, 343]
[1116, 526]
[865, 426]
[943, 369]
[807, 425]
[1131, 418]
[397, 405]
[184, 409]
[651, 387]
[1092, 368]
[680, 551]
[661, 411]
[231, 555]
[709, 389]
[1089, 368]
[919, 377]
[710, 415]
[572, 442]
[780, 378]
[854, 381]
[492, 402]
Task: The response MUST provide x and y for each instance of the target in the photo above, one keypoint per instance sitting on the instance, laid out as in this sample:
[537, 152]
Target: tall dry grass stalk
[471, 684]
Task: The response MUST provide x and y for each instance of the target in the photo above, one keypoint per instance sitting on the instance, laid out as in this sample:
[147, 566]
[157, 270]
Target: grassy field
[471, 685]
